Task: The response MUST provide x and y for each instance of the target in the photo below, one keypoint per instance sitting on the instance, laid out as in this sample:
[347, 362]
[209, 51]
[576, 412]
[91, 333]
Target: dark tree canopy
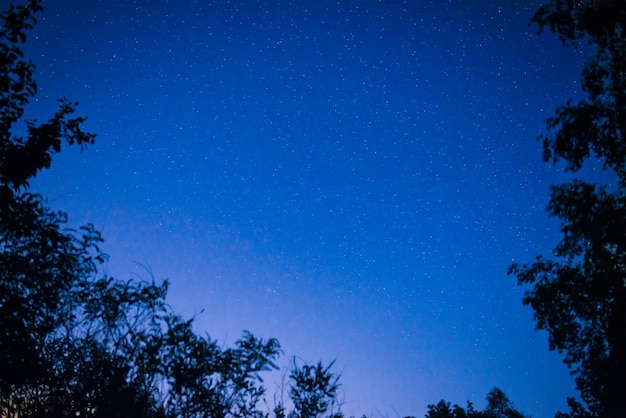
[498, 406]
[595, 126]
[76, 342]
[313, 390]
[579, 294]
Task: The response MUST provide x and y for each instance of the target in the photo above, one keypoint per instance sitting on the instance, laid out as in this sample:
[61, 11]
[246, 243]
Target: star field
[351, 177]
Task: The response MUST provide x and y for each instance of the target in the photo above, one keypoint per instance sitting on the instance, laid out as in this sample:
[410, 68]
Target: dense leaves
[21, 158]
[74, 341]
[313, 390]
[498, 406]
[579, 294]
[595, 126]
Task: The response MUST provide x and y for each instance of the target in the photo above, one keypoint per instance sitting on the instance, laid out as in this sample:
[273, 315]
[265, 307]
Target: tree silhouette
[313, 390]
[74, 341]
[579, 294]
[443, 409]
[498, 406]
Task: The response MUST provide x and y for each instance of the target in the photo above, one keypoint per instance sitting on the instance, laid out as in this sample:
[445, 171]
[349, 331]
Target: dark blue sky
[351, 177]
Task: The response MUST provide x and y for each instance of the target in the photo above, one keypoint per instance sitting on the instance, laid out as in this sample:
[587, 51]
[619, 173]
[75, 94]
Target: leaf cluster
[579, 293]
[75, 341]
[595, 126]
[313, 390]
[498, 406]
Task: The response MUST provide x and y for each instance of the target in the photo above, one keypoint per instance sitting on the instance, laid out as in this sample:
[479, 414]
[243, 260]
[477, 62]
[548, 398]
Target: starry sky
[351, 177]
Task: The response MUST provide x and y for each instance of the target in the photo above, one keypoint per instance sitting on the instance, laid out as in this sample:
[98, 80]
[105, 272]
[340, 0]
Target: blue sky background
[351, 177]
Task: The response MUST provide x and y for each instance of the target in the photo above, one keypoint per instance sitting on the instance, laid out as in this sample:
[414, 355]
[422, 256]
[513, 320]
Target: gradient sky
[351, 177]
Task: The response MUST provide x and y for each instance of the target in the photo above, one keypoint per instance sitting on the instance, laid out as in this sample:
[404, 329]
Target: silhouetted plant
[579, 294]
[498, 406]
[76, 342]
[313, 391]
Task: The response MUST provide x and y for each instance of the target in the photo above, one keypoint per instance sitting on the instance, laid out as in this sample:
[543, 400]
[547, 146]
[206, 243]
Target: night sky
[350, 177]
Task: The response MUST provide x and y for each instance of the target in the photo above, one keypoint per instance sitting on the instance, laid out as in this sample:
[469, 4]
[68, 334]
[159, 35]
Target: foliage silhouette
[579, 296]
[498, 406]
[313, 390]
[74, 341]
